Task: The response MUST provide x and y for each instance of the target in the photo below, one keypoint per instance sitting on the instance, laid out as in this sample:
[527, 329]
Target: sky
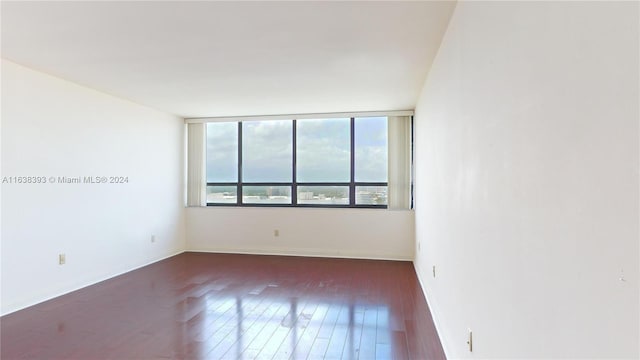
[322, 150]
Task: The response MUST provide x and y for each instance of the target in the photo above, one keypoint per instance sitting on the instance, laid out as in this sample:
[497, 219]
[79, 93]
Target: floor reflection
[254, 327]
[221, 306]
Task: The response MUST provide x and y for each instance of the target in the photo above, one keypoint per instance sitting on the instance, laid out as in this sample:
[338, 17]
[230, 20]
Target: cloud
[371, 149]
[323, 150]
[222, 152]
[267, 154]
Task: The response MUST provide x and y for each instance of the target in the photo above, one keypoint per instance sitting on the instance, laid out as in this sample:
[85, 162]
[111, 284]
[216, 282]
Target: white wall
[527, 180]
[354, 233]
[51, 127]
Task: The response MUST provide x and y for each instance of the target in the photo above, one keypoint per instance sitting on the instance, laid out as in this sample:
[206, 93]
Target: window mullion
[352, 183]
[239, 190]
[410, 164]
[294, 181]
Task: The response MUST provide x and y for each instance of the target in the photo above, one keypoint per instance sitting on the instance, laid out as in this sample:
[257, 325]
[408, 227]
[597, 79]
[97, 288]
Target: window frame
[294, 184]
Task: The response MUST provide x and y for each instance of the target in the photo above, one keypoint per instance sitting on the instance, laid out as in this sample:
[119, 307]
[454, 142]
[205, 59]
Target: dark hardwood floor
[212, 306]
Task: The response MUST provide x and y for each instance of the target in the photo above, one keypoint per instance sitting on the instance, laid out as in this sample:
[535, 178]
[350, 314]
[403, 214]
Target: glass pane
[323, 150]
[371, 195]
[323, 195]
[222, 152]
[267, 151]
[370, 142]
[266, 194]
[222, 194]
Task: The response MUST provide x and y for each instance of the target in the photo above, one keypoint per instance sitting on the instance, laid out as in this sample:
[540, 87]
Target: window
[267, 153]
[340, 162]
[222, 152]
[323, 150]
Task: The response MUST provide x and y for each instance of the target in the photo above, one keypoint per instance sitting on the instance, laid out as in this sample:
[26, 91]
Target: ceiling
[205, 59]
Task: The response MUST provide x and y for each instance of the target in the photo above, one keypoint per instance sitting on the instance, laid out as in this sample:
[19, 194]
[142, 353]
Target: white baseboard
[277, 252]
[302, 253]
[89, 284]
[433, 310]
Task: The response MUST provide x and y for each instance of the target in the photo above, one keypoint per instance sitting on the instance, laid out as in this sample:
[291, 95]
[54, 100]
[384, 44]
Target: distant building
[305, 195]
[365, 197]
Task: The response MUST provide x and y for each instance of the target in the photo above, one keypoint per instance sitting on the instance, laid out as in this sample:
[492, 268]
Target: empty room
[320, 180]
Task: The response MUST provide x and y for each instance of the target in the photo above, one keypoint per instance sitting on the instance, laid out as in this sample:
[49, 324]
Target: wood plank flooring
[224, 306]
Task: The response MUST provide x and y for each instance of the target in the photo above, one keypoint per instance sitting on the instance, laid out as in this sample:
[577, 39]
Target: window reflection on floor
[259, 327]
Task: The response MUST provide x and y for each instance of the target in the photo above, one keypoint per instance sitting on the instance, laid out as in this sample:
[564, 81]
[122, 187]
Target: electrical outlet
[62, 259]
[153, 238]
[418, 245]
[434, 271]
[276, 232]
[470, 341]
